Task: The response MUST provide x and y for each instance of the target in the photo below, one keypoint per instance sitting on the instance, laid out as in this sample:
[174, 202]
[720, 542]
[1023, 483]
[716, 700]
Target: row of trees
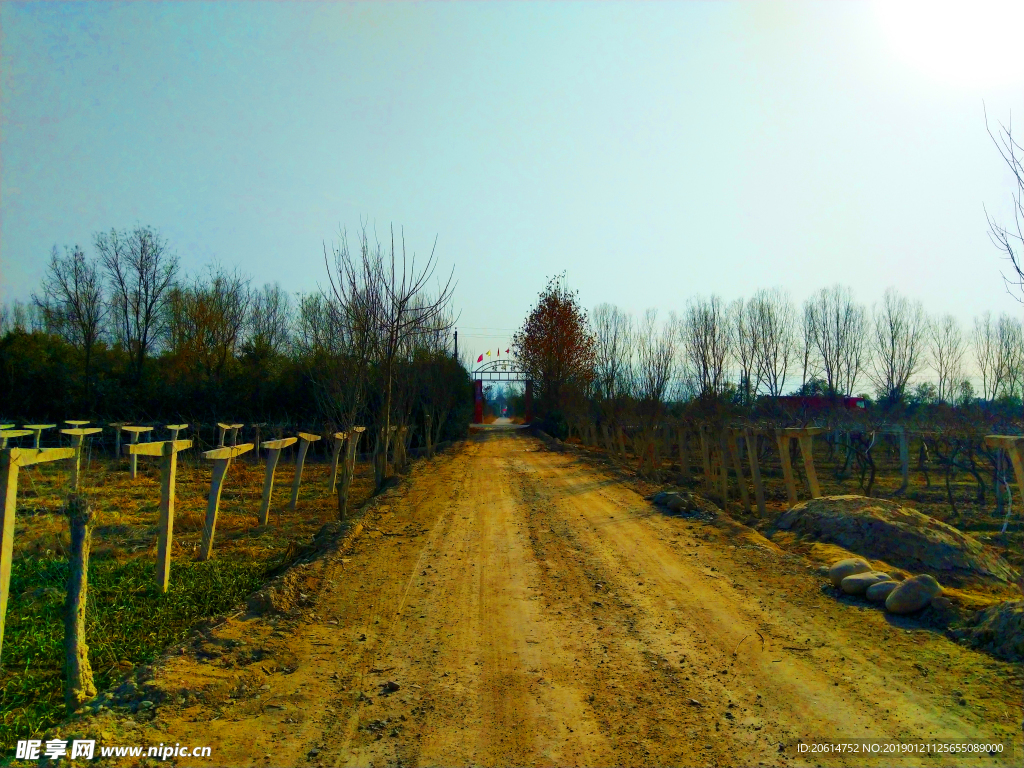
[766, 346]
[124, 334]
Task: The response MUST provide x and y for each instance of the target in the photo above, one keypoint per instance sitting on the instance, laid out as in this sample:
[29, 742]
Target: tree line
[123, 334]
[744, 351]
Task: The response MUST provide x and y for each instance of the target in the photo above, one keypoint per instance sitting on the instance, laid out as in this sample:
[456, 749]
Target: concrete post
[705, 452]
[755, 471]
[38, 430]
[11, 460]
[117, 425]
[737, 466]
[904, 460]
[807, 451]
[133, 459]
[221, 458]
[7, 434]
[175, 429]
[787, 469]
[428, 434]
[305, 438]
[79, 686]
[77, 438]
[168, 451]
[76, 423]
[723, 451]
[338, 440]
[273, 448]
[684, 454]
[348, 470]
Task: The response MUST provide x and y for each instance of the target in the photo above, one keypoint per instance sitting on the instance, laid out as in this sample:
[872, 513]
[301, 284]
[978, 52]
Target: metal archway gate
[504, 371]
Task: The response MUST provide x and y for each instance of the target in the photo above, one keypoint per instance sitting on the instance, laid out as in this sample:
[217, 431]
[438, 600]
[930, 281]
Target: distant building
[819, 402]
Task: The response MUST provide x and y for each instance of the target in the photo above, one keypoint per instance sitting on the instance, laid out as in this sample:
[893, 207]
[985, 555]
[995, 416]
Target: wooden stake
[221, 458]
[305, 438]
[11, 460]
[755, 471]
[273, 448]
[79, 686]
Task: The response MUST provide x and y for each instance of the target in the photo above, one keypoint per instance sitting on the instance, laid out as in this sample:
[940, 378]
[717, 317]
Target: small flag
[480, 359]
[488, 353]
[506, 351]
[498, 354]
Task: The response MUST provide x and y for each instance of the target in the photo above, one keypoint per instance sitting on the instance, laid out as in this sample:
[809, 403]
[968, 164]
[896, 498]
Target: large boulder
[877, 592]
[913, 594]
[858, 583]
[848, 567]
[884, 530]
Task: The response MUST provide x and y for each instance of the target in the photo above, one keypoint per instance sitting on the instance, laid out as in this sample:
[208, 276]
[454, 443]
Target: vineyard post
[221, 458]
[273, 449]
[11, 460]
[305, 438]
[755, 471]
[77, 438]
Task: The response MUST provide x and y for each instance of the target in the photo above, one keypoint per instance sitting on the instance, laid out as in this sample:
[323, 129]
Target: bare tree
[986, 354]
[837, 326]
[141, 272]
[898, 344]
[773, 318]
[1011, 240]
[72, 303]
[946, 345]
[391, 295]
[1010, 355]
[270, 320]
[744, 345]
[705, 340]
[655, 360]
[614, 334]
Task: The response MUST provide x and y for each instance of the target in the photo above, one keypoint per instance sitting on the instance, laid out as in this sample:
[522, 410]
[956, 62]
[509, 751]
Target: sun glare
[962, 43]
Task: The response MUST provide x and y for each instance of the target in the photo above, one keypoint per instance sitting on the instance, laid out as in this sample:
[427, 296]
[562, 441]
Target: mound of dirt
[998, 630]
[884, 530]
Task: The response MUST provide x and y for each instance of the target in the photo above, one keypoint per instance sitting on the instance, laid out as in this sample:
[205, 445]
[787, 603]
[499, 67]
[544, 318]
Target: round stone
[858, 583]
[848, 567]
[913, 594]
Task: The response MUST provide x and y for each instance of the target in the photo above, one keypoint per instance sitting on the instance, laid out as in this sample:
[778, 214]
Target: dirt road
[533, 610]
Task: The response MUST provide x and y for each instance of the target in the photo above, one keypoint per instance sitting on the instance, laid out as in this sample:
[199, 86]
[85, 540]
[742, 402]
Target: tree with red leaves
[556, 347]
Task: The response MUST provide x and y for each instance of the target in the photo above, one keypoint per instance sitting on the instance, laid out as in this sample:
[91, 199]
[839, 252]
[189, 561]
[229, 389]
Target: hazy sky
[653, 151]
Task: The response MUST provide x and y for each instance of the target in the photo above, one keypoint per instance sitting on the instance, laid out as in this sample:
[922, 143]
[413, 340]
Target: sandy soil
[533, 610]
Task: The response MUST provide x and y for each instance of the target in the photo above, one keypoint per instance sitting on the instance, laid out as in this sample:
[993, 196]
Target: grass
[129, 622]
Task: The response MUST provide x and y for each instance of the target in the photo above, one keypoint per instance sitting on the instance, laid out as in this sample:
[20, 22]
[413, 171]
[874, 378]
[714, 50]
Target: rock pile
[855, 576]
[998, 630]
[684, 503]
[907, 539]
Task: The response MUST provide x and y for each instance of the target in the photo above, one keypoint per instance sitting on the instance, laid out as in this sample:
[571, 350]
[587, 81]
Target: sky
[651, 151]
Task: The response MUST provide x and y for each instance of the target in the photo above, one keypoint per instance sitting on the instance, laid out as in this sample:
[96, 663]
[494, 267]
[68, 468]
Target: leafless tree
[270, 321]
[1010, 356]
[614, 332]
[655, 359]
[704, 333]
[22, 317]
[744, 345]
[773, 318]
[947, 346]
[809, 368]
[837, 325]
[986, 354]
[72, 303]
[898, 344]
[393, 298]
[140, 271]
[1010, 240]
